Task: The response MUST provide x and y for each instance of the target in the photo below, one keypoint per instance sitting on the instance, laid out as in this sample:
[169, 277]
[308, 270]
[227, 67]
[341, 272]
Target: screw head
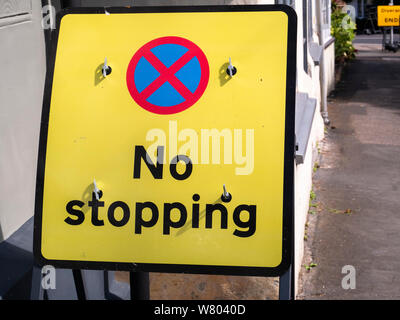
[108, 70]
[234, 71]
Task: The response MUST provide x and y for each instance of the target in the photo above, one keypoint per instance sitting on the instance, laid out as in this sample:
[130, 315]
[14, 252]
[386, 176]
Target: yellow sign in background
[94, 126]
[388, 16]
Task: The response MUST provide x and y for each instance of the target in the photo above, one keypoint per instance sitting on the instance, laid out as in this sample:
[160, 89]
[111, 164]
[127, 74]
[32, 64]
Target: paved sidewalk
[356, 218]
[370, 46]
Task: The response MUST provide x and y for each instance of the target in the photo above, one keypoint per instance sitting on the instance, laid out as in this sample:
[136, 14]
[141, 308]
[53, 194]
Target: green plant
[312, 195]
[343, 29]
[310, 266]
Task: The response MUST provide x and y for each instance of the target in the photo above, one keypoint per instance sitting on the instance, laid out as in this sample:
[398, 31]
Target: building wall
[330, 67]
[303, 187]
[309, 82]
[23, 65]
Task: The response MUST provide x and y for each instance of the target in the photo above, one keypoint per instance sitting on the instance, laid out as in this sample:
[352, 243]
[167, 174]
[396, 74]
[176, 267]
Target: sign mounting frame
[289, 150]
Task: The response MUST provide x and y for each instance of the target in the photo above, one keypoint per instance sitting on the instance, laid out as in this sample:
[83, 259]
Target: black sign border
[288, 194]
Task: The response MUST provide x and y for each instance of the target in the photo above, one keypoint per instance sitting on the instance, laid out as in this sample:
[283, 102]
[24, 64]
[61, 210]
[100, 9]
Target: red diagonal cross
[168, 74]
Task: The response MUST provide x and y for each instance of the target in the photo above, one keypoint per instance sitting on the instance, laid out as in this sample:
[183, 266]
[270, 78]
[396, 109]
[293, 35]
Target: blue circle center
[166, 95]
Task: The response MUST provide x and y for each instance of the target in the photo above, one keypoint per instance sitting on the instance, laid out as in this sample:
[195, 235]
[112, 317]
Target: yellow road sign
[167, 141]
[388, 16]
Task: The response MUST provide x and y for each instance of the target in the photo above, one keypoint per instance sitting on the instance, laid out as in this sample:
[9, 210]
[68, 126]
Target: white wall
[330, 67]
[22, 60]
[303, 187]
[307, 82]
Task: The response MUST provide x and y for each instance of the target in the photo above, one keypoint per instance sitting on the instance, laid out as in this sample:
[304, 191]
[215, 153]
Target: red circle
[193, 50]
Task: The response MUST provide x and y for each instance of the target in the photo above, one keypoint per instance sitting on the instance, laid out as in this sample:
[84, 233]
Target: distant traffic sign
[167, 141]
[388, 16]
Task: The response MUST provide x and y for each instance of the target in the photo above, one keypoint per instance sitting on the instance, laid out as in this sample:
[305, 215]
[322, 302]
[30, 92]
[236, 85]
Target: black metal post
[286, 285]
[287, 280]
[79, 285]
[37, 292]
[140, 285]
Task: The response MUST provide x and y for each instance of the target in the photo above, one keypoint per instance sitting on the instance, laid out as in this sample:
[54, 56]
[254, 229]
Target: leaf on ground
[347, 211]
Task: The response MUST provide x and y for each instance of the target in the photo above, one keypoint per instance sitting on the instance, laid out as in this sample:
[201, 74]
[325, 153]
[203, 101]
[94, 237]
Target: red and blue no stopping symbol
[168, 75]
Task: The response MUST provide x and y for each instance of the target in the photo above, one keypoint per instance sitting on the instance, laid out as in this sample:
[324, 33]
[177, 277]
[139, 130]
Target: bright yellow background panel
[388, 16]
[94, 128]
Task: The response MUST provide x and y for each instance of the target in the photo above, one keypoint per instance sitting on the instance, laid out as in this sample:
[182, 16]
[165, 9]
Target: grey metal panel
[9, 8]
[23, 67]
[316, 52]
[16, 258]
[305, 110]
[13, 12]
